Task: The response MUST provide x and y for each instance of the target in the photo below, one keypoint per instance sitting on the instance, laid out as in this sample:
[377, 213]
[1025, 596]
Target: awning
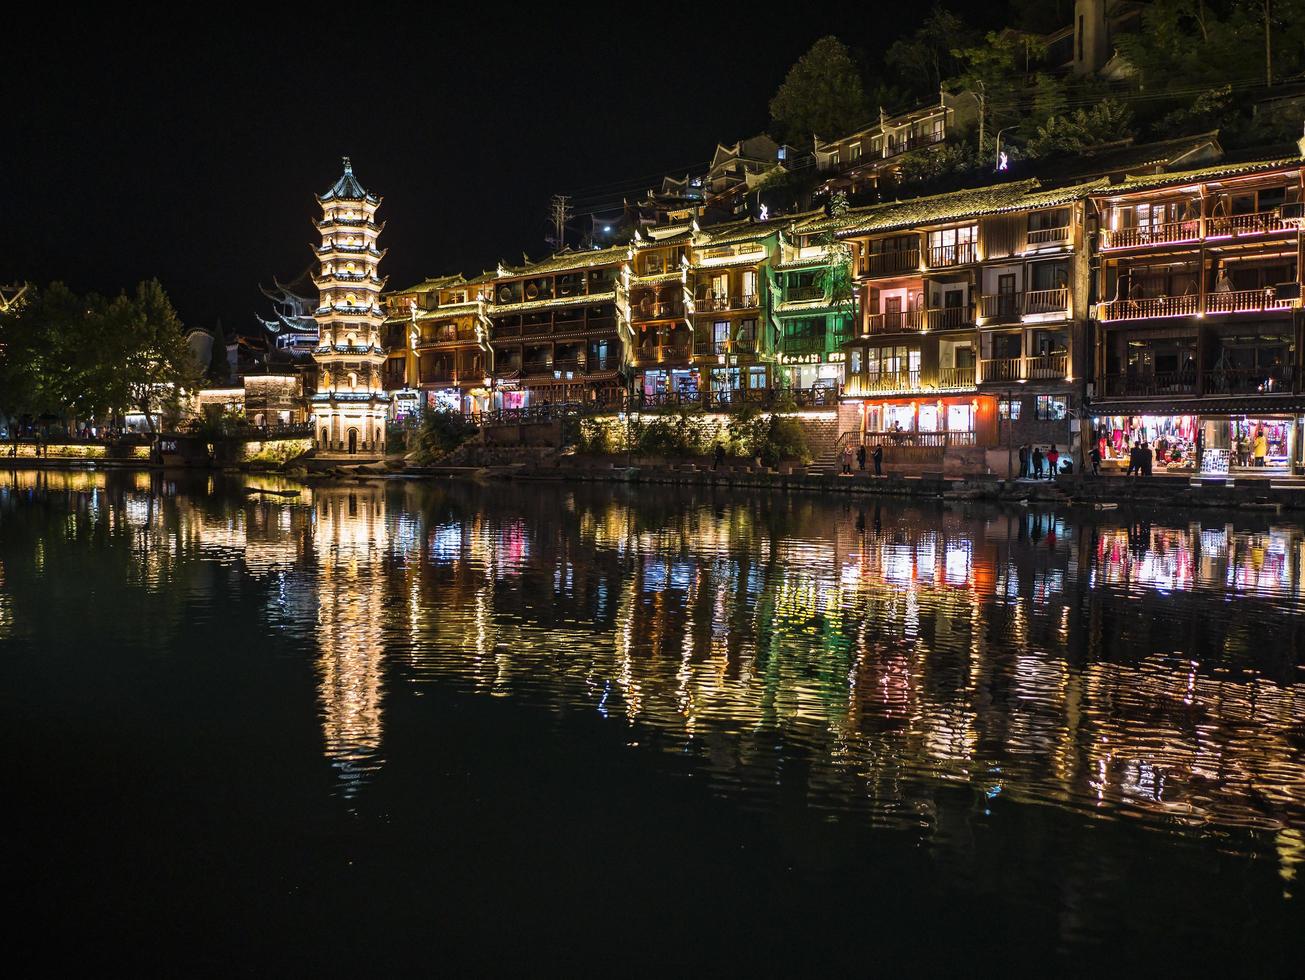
[1255, 406]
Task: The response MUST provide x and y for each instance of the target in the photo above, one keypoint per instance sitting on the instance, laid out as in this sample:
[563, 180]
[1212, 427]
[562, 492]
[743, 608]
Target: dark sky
[191, 150]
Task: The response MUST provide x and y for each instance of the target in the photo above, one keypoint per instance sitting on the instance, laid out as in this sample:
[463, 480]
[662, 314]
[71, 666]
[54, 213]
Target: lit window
[1049, 408]
[1009, 409]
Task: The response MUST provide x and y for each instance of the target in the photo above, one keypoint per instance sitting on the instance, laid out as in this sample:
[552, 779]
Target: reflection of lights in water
[6, 607]
[349, 539]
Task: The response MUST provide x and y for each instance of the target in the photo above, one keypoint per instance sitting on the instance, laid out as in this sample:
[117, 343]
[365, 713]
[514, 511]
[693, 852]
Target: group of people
[1255, 448]
[860, 455]
[1036, 464]
[1140, 459]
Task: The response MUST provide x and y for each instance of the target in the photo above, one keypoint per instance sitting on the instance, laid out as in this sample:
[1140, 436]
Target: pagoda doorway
[353, 441]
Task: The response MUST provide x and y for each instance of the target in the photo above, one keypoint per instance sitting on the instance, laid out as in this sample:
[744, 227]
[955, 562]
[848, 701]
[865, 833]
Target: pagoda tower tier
[350, 408]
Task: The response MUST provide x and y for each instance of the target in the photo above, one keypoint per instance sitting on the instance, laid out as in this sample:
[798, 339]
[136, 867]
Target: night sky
[191, 150]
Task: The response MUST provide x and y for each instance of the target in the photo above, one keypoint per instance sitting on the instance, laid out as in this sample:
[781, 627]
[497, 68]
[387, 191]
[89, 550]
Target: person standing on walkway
[720, 455]
[1037, 463]
[1261, 448]
[1095, 457]
[860, 457]
[1053, 458]
[878, 456]
[847, 459]
[1024, 460]
[1147, 455]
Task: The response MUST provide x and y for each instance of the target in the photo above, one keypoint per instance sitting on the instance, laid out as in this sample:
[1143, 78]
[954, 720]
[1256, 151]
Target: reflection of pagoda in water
[349, 540]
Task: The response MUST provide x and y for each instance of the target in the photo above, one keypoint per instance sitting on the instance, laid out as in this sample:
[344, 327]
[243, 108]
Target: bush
[441, 432]
[769, 438]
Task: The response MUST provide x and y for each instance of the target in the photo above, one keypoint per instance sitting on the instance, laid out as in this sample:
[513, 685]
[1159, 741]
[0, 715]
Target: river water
[602, 729]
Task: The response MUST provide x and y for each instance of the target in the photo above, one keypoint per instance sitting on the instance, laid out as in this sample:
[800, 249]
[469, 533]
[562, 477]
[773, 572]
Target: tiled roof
[1024, 195]
[739, 232]
[553, 303]
[566, 261]
[347, 188]
[1223, 171]
[430, 285]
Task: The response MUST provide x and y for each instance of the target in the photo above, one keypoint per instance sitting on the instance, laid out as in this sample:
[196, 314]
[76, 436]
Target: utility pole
[559, 211]
[1268, 44]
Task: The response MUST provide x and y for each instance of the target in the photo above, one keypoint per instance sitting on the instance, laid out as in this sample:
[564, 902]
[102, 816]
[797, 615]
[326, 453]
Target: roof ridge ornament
[348, 165]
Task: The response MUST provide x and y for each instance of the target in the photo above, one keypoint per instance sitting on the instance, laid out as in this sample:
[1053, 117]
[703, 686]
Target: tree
[928, 57]
[153, 366]
[822, 95]
[1107, 122]
[837, 272]
[998, 71]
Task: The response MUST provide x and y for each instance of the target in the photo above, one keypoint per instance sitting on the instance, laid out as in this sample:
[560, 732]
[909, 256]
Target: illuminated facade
[350, 406]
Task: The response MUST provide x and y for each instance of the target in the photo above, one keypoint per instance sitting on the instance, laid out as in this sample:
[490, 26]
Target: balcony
[885, 383]
[1149, 308]
[1001, 306]
[1245, 225]
[659, 311]
[895, 263]
[943, 256]
[536, 329]
[1246, 301]
[1166, 233]
[899, 321]
[1247, 381]
[653, 354]
[804, 293]
[806, 345]
[949, 318]
[1010, 370]
[1048, 236]
[956, 378]
[1165, 383]
[1216, 304]
[722, 303]
[1047, 302]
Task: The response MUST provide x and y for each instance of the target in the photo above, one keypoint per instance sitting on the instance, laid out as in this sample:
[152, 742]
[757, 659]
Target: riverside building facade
[1198, 317]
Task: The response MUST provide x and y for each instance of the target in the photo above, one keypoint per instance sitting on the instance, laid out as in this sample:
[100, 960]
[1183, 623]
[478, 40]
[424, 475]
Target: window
[1049, 408]
[750, 285]
[855, 363]
[856, 151]
[720, 286]
[960, 418]
[1008, 409]
[756, 378]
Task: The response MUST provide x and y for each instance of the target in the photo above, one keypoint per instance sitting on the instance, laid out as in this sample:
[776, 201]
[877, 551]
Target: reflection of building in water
[349, 539]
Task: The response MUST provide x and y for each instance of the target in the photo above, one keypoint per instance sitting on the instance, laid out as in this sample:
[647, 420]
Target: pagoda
[350, 406]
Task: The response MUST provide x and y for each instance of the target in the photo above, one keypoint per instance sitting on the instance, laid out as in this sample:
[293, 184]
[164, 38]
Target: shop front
[950, 421]
[824, 370]
[658, 382]
[1212, 444]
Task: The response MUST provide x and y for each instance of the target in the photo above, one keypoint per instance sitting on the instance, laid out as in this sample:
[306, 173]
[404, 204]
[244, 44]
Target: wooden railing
[1039, 302]
[930, 440]
[1236, 301]
[1245, 301]
[1047, 236]
[885, 383]
[1247, 381]
[956, 377]
[805, 293]
[1234, 225]
[1001, 369]
[891, 263]
[1162, 383]
[1187, 230]
[1047, 367]
[1042, 367]
[900, 321]
[1001, 306]
[949, 318]
[1150, 307]
[942, 256]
